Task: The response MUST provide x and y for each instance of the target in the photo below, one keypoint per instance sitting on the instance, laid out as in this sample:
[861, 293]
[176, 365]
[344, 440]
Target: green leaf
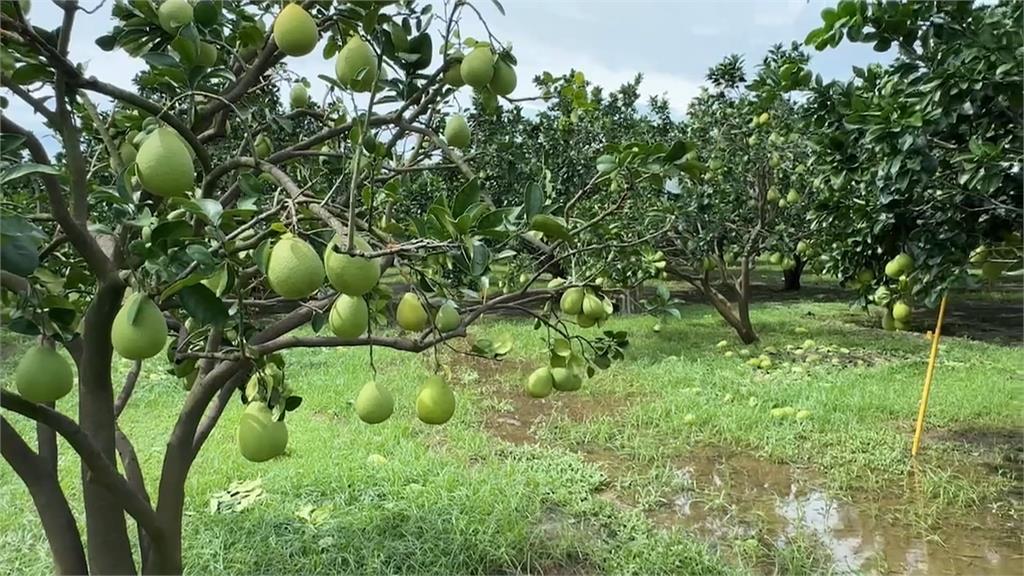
[203, 305]
[467, 196]
[550, 227]
[161, 60]
[30, 73]
[181, 284]
[18, 255]
[18, 170]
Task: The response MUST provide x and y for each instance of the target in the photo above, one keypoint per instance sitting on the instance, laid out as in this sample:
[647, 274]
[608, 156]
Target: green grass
[455, 499]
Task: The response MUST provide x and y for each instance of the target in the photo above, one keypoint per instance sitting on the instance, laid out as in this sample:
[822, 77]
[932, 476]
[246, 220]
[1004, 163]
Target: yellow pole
[928, 378]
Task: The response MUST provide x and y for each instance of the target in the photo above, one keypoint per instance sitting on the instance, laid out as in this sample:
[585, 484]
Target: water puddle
[730, 498]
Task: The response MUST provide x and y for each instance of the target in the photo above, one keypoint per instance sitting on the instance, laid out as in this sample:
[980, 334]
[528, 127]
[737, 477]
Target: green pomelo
[435, 403]
[503, 82]
[447, 318]
[478, 67]
[164, 164]
[565, 380]
[793, 197]
[263, 148]
[572, 300]
[139, 330]
[127, 152]
[901, 325]
[453, 75]
[901, 311]
[43, 375]
[456, 132]
[260, 438]
[352, 275]
[173, 14]
[888, 322]
[540, 383]
[775, 258]
[299, 96]
[349, 317]
[294, 270]
[356, 66]
[206, 12]
[900, 265]
[207, 55]
[585, 321]
[593, 308]
[295, 31]
[992, 270]
[411, 315]
[374, 404]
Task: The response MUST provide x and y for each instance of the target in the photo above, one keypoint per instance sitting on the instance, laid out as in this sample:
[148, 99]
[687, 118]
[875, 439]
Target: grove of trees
[201, 226]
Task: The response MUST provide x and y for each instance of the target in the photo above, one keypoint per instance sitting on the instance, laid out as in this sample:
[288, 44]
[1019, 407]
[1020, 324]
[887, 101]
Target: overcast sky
[672, 42]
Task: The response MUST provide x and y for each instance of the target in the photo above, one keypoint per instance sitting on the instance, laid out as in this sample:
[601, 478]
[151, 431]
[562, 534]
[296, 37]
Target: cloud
[536, 57]
[778, 12]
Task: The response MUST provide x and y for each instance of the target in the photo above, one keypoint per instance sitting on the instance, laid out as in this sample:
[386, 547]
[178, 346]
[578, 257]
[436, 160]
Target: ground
[668, 463]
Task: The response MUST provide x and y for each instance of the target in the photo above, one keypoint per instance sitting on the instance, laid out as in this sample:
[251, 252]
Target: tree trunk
[791, 278]
[743, 297]
[109, 549]
[54, 513]
[738, 319]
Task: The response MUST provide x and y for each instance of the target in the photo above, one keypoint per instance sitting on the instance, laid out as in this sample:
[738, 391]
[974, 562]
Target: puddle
[736, 497]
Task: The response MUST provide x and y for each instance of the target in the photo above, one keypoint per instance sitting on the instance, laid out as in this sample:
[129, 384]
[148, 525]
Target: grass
[455, 499]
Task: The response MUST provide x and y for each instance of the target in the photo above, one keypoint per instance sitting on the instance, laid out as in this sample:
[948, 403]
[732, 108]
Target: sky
[672, 42]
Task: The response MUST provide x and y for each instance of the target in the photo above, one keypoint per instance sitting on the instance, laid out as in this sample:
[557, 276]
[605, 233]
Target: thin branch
[129, 386]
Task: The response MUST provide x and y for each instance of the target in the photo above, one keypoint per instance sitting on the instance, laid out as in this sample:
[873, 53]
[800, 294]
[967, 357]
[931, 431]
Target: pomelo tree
[918, 162]
[749, 199]
[194, 226]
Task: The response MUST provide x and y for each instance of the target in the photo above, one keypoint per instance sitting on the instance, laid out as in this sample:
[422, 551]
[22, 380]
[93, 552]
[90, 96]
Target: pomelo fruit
[888, 322]
[263, 148]
[139, 330]
[593, 308]
[260, 438]
[447, 318]
[540, 382]
[565, 379]
[456, 131]
[435, 402]
[349, 317]
[374, 404]
[354, 57]
[503, 81]
[775, 258]
[411, 315]
[295, 31]
[477, 67]
[901, 311]
[43, 375]
[572, 300]
[299, 96]
[793, 197]
[585, 321]
[164, 164]
[173, 14]
[352, 275]
[127, 152]
[206, 12]
[294, 270]
[453, 75]
[207, 55]
[900, 265]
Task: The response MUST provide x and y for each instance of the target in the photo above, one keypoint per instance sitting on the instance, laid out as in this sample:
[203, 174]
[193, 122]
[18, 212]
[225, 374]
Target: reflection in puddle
[729, 498]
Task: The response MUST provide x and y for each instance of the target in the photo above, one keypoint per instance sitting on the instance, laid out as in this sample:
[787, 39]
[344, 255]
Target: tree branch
[103, 470]
[129, 386]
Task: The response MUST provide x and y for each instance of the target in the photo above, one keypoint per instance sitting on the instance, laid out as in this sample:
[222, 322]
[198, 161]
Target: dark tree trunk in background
[791, 278]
